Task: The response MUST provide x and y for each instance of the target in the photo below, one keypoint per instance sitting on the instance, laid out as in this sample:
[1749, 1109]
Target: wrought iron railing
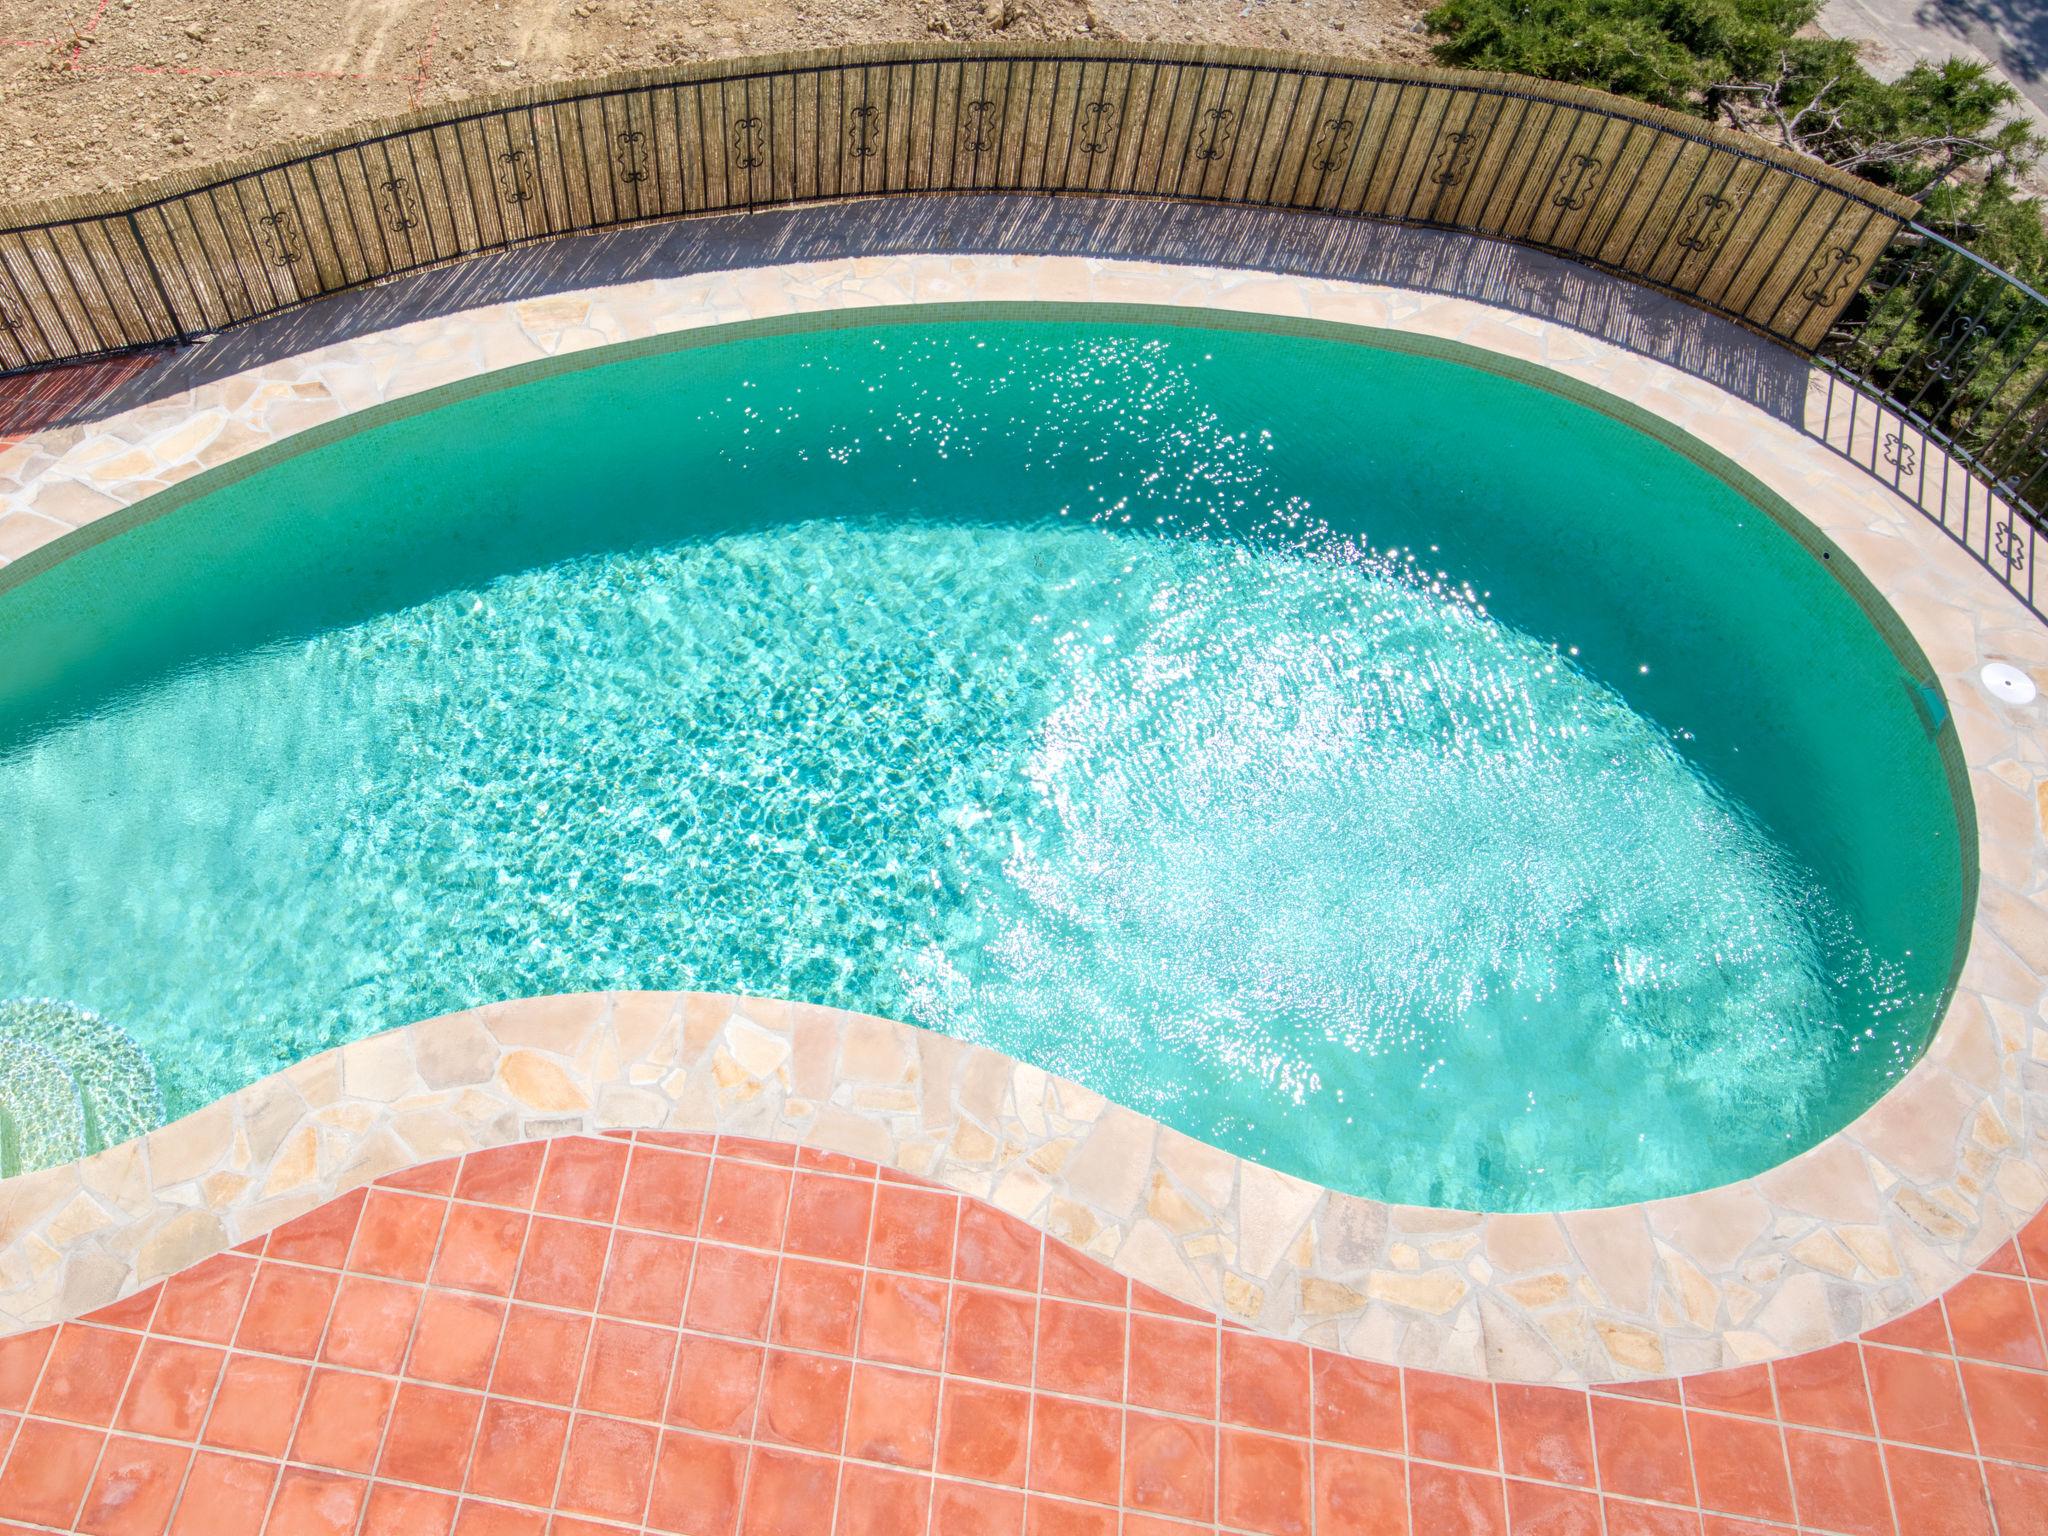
[1767, 238]
[1952, 353]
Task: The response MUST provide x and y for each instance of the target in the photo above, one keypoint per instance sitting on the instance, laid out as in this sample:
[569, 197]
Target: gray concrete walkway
[2010, 35]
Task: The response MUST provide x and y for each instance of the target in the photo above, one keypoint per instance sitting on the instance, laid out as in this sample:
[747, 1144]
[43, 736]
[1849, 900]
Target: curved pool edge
[1876, 1219]
[1755, 1270]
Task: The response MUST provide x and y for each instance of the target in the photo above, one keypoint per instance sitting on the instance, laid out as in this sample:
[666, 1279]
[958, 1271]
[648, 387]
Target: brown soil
[101, 94]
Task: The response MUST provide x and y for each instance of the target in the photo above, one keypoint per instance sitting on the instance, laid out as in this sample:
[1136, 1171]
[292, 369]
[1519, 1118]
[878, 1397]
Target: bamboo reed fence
[1773, 241]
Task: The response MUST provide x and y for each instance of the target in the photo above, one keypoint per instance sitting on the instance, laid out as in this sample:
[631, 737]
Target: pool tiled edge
[1864, 1228]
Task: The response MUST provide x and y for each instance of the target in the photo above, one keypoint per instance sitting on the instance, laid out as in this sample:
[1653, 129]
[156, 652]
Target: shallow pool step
[71, 1083]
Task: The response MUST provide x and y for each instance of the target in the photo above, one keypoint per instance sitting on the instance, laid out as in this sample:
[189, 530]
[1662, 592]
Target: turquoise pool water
[1387, 769]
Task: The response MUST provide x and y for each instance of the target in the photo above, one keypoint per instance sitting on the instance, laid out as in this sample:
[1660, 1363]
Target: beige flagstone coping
[1877, 1219]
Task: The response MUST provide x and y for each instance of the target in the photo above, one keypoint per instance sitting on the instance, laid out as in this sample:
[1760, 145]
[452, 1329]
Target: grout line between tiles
[398, 1377]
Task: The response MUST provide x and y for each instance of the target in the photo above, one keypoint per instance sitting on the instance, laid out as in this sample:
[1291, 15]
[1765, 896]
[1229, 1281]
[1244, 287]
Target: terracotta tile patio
[667, 1333]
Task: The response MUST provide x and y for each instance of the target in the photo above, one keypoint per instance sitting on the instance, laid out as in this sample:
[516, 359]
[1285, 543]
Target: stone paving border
[1875, 1220]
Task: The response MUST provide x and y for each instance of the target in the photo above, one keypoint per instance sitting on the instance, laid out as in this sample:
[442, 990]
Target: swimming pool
[1384, 767]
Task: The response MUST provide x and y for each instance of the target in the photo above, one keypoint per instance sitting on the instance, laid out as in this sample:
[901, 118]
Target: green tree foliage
[1961, 348]
[1672, 52]
[1755, 65]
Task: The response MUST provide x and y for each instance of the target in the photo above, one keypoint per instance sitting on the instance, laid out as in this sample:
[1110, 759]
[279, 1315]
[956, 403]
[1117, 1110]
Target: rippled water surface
[1382, 768]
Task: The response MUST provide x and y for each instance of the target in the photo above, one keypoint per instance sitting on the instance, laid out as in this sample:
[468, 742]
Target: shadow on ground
[1311, 245]
[2013, 32]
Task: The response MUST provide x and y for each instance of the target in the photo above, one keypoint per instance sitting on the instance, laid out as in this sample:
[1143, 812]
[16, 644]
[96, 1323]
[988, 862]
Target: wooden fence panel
[1773, 242]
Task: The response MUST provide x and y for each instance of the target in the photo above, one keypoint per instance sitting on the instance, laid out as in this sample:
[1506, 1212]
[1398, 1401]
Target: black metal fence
[1951, 355]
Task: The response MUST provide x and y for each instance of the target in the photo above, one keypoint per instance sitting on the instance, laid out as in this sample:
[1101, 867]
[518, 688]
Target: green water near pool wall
[1379, 766]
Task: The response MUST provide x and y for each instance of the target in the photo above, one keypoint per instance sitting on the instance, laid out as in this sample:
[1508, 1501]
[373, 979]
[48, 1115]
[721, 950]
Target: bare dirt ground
[102, 94]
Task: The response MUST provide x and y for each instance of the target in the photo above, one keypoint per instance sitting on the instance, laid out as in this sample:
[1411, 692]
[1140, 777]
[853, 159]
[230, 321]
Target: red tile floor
[609, 1335]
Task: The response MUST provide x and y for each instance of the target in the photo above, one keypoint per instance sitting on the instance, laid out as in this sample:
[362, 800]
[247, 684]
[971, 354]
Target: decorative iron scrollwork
[1707, 222]
[516, 182]
[1899, 453]
[1453, 158]
[864, 120]
[1953, 343]
[2011, 546]
[401, 209]
[1331, 142]
[1575, 186]
[1099, 119]
[1828, 274]
[281, 237]
[746, 143]
[977, 125]
[1219, 125]
[627, 142]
